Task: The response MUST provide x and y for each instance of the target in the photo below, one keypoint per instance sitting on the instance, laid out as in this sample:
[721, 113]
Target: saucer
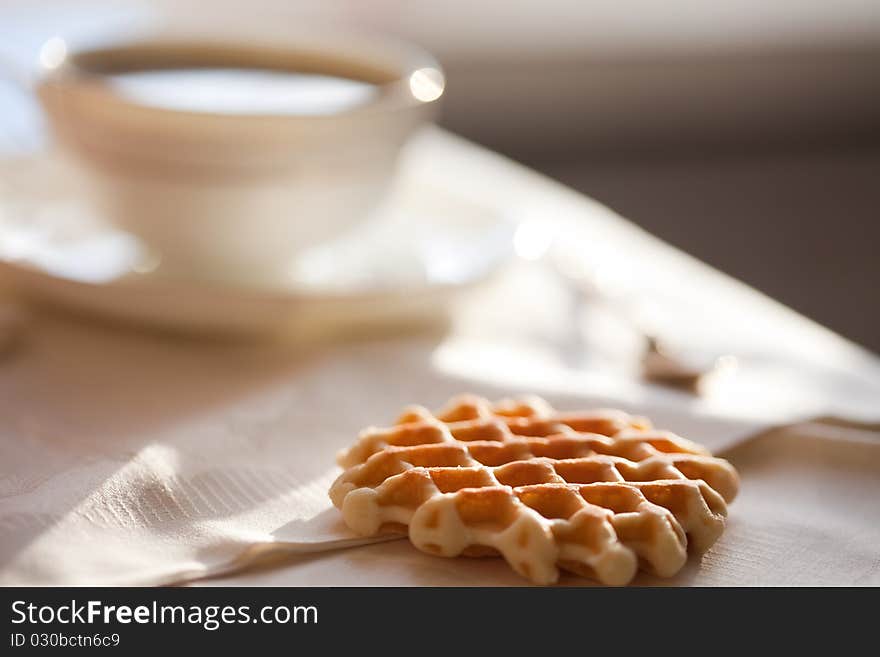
[405, 265]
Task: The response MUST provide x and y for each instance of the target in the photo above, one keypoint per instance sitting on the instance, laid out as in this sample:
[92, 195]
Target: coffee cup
[228, 158]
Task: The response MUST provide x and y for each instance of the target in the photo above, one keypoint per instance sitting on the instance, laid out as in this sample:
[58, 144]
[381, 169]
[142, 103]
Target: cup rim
[401, 64]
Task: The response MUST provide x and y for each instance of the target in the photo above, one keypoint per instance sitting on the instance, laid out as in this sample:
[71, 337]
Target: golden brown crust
[598, 493]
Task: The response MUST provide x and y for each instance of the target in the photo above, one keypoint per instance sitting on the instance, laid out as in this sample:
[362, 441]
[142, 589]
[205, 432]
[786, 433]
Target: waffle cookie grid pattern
[599, 493]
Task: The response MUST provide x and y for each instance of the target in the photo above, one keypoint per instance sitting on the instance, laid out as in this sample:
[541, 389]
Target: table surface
[71, 378]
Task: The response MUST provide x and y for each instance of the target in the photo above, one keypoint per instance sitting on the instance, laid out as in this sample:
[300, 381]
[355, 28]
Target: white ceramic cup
[234, 197]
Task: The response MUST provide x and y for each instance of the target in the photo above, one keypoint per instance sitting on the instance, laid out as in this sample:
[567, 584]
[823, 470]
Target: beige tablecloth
[130, 458]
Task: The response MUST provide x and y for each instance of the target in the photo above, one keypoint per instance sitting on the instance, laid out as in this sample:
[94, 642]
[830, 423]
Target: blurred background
[745, 132]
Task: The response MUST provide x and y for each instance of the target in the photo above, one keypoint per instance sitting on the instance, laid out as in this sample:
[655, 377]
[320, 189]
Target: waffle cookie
[598, 493]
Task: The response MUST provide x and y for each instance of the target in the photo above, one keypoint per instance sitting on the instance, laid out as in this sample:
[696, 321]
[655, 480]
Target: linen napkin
[134, 458]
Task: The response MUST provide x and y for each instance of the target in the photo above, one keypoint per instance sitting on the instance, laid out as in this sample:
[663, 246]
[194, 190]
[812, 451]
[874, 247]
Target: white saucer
[404, 266]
